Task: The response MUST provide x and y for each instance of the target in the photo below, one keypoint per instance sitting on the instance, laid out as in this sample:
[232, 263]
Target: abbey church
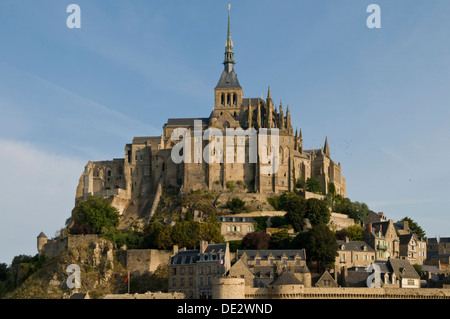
[148, 167]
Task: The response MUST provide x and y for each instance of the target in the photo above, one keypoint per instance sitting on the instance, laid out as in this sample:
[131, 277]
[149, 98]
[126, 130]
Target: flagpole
[128, 282]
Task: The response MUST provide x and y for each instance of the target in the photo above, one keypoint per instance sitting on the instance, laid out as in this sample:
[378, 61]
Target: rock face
[99, 273]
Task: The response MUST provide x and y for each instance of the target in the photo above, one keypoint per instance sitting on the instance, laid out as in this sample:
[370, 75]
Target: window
[234, 99]
[174, 282]
[182, 270]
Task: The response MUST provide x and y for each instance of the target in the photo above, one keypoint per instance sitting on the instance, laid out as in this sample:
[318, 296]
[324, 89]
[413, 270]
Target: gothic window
[109, 172]
[222, 99]
[228, 99]
[234, 100]
[120, 170]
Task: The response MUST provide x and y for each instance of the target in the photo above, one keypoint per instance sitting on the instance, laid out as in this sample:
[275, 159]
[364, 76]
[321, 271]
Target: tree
[210, 232]
[354, 233]
[313, 185]
[280, 240]
[295, 207]
[256, 240]
[93, 215]
[237, 205]
[186, 234]
[414, 227]
[320, 245]
[317, 211]
[157, 236]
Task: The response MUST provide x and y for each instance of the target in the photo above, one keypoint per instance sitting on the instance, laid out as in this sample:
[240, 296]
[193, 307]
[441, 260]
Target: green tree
[94, 214]
[157, 236]
[256, 240]
[280, 240]
[313, 185]
[414, 227]
[186, 234]
[237, 205]
[320, 245]
[295, 207]
[354, 233]
[317, 211]
[210, 231]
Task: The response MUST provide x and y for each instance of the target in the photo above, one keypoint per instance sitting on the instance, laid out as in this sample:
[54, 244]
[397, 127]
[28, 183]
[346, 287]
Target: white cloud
[37, 194]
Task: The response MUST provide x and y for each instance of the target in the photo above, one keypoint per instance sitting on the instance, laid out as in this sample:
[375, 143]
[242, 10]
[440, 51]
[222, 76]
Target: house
[382, 236]
[236, 227]
[412, 248]
[191, 271]
[393, 273]
[259, 268]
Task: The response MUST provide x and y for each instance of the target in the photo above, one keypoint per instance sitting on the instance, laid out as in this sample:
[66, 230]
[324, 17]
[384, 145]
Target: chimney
[369, 227]
[346, 239]
[174, 250]
[203, 245]
[406, 226]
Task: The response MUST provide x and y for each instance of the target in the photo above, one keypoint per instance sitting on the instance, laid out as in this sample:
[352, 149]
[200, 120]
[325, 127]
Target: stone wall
[147, 295]
[55, 246]
[231, 288]
[140, 261]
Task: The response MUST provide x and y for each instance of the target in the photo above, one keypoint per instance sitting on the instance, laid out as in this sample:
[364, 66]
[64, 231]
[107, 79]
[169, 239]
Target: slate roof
[276, 253]
[285, 278]
[228, 80]
[236, 219]
[402, 268]
[357, 278]
[405, 239]
[143, 139]
[186, 121]
[355, 245]
[42, 235]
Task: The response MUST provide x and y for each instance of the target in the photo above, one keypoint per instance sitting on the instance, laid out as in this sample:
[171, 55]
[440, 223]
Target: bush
[256, 240]
[237, 206]
[93, 215]
[313, 185]
[230, 186]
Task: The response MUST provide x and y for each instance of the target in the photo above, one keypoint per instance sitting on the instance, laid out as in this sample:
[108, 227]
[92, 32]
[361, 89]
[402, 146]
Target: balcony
[381, 247]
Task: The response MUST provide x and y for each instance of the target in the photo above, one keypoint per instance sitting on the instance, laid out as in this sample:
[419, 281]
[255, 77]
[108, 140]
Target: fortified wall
[234, 288]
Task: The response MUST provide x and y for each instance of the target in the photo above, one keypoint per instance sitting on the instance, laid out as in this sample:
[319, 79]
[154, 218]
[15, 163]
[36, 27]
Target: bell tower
[228, 91]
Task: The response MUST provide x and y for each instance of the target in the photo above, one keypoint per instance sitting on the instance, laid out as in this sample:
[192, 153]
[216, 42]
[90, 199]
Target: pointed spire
[296, 140]
[300, 142]
[258, 115]
[249, 113]
[268, 93]
[229, 54]
[281, 116]
[326, 147]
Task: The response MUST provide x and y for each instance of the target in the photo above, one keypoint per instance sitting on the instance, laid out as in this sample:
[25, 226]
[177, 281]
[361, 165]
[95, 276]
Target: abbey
[135, 182]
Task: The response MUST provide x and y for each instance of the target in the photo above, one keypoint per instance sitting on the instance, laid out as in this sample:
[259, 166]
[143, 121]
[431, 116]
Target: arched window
[228, 99]
[234, 98]
[222, 99]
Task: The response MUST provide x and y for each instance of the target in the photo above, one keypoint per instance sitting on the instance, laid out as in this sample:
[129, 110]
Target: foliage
[414, 227]
[230, 185]
[317, 211]
[93, 215]
[295, 207]
[331, 189]
[356, 210]
[354, 233]
[279, 202]
[261, 223]
[320, 244]
[235, 245]
[157, 236]
[278, 221]
[237, 205]
[256, 240]
[313, 185]
[280, 240]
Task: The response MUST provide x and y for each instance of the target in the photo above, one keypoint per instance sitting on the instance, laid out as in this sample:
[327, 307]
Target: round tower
[228, 288]
[41, 241]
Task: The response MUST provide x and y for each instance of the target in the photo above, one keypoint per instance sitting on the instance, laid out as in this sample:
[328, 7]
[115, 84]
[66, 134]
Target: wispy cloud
[37, 194]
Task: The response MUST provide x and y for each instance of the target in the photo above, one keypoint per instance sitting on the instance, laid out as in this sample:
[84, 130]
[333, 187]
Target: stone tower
[41, 241]
[228, 92]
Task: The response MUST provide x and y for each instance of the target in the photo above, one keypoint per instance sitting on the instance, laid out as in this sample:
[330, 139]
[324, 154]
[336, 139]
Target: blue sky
[68, 96]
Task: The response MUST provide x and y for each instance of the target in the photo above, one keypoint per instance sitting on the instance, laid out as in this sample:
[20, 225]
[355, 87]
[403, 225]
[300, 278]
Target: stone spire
[269, 110]
[258, 115]
[229, 54]
[288, 121]
[281, 117]
[249, 113]
[296, 140]
[326, 148]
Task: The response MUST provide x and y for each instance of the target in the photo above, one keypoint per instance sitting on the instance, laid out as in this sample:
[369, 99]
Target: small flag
[221, 262]
[126, 279]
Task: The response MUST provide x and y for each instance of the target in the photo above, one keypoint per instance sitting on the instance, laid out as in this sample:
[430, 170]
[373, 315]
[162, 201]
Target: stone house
[382, 237]
[260, 267]
[191, 271]
[413, 249]
[352, 254]
[236, 227]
